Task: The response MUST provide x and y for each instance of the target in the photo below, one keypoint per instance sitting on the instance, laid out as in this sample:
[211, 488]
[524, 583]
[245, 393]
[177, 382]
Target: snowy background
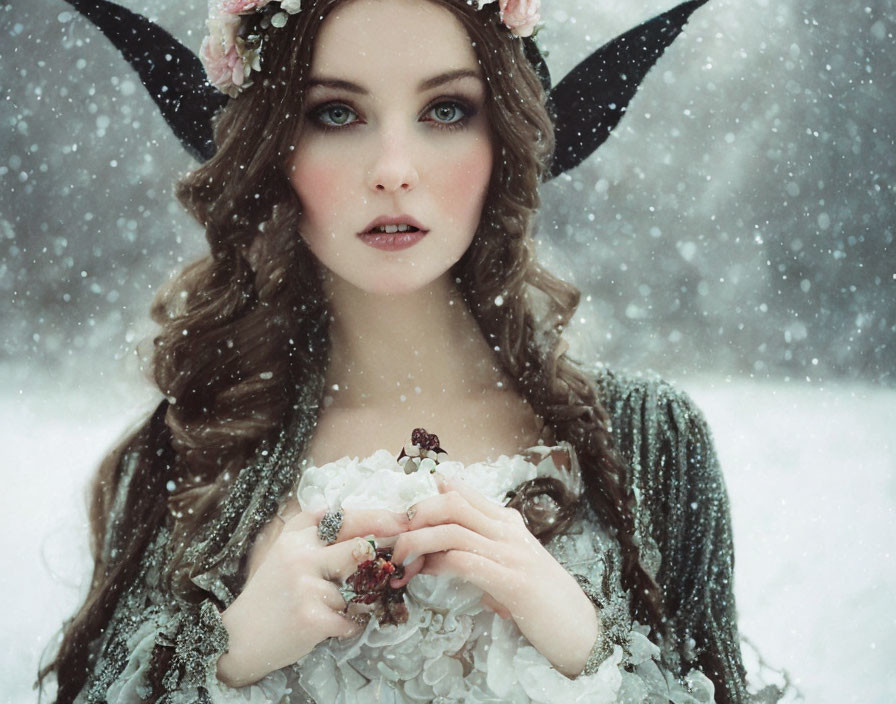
[736, 236]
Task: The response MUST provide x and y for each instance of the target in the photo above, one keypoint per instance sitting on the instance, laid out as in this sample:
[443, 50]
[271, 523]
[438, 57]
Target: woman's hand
[462, 533]
[291, 601]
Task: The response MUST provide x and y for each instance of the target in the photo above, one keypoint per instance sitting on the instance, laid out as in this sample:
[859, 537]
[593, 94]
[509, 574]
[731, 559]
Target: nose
[393, 166]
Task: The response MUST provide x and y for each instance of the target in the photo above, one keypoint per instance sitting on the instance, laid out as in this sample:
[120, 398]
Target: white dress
[452, 649]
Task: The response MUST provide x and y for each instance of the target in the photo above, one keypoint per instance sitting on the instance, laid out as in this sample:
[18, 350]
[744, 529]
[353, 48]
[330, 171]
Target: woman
[369, 210]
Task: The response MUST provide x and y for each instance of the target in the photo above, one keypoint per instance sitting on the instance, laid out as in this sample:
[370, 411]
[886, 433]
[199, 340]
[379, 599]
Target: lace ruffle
[628, 674]
[380, 482]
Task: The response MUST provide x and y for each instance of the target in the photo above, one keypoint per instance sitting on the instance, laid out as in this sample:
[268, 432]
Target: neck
[393, 350]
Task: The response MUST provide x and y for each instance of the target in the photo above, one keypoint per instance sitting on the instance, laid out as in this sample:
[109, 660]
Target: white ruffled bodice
[452, 649]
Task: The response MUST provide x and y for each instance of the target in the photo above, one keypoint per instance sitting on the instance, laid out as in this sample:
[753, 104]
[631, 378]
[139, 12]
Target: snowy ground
[811, 472]
[812, 477]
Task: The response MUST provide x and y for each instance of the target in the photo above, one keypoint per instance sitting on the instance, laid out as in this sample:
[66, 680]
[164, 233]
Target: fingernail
[363, 550]
[409, 559]
[412, 511]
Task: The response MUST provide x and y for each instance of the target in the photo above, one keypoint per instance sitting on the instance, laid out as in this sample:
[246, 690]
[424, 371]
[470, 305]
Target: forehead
[389, 41]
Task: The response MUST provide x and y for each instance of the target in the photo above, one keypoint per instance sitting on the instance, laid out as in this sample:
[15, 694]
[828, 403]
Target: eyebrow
[427, 84]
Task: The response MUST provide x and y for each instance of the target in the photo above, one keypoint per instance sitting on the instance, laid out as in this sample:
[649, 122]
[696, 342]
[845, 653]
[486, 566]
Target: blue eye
[448, 112]
[335, 115]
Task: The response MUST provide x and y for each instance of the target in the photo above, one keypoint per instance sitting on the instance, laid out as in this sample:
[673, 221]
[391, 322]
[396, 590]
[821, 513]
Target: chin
[395, 283]
[397, 286]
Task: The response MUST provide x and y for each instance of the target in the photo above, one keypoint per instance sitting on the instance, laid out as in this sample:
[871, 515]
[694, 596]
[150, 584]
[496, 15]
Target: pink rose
[520, 16]
[223, 63]
[242, 7]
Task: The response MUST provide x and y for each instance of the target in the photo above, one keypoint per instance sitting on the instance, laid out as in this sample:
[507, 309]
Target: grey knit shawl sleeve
[683, 523]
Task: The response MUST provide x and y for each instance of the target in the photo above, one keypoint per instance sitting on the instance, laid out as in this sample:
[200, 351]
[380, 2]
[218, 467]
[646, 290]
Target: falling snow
[736, 234]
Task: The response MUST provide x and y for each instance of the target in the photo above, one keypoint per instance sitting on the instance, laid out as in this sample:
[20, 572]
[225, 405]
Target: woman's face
[395, 130]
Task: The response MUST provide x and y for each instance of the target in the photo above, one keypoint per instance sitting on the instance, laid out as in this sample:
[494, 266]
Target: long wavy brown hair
[244, 327]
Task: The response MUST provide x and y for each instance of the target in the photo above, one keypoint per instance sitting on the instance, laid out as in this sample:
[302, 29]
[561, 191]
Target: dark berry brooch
[368, 591]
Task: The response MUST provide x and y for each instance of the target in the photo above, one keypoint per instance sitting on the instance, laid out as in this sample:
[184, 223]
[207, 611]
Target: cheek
[467, 177]
[318, 183]
[314, 182]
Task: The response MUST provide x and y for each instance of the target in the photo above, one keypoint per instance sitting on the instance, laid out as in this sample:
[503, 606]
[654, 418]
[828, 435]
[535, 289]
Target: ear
[171, 73]
[591, 100]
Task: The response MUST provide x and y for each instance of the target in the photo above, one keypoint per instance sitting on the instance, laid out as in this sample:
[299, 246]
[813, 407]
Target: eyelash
[468, 111]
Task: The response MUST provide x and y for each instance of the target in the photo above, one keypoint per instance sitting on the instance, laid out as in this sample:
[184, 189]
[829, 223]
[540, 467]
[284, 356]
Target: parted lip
[392, 220]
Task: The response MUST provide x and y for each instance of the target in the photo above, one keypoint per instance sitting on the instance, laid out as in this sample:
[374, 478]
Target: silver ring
[347, 594]
[328, 528]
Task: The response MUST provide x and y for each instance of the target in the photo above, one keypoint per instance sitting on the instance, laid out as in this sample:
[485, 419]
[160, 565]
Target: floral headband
[229, 54]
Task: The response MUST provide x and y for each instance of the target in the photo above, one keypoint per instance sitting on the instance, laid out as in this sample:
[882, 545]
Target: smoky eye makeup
[446, 112]
[332, 115]
[449, 113]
